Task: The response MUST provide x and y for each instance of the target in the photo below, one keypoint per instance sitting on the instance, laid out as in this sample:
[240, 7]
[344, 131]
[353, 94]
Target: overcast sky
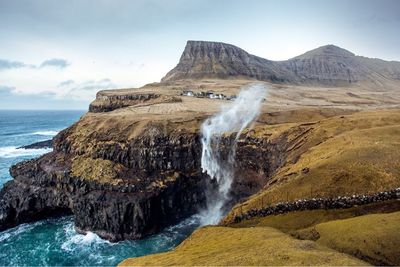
[58, 54]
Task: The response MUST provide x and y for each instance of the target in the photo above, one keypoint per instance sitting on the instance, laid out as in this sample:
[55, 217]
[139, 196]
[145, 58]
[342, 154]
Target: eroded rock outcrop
[219, 60]
[326, 65]
[106, 101]
[126, 206]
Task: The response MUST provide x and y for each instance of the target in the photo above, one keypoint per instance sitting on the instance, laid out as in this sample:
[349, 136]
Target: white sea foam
[45, 133]
[233, 118]
[73, 240]
[22, 228]
[14, 152]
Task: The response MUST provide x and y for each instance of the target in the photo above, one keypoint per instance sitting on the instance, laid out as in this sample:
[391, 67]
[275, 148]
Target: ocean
[54, 241]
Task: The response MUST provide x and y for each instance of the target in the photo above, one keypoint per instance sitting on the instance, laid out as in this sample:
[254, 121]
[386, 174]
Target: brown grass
[374, 238]
[296, 220]
[100, 170]
[260, 246]
[338, 156]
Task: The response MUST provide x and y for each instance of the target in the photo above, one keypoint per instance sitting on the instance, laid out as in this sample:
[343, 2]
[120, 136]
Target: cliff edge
[132, 164]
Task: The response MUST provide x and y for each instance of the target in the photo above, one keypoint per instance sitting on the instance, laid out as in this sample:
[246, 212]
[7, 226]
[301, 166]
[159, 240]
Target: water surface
[54, 241]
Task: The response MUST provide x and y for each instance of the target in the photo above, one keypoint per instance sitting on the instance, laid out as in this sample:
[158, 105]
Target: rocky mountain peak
[326, 51]
[209, 59]
[202, 59]
[195, 50]
[327, 65]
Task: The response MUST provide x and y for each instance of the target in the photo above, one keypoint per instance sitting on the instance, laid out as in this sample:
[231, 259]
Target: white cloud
[59, 63]
[68, 90]
[84, 91]
[9, 64]
[65, 83]
[55, 62]
[87, 75]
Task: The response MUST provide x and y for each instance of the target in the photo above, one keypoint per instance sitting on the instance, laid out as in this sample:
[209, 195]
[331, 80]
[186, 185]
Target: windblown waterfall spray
[233, 118]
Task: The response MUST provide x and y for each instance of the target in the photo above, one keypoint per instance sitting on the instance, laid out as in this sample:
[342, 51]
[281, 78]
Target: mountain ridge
[325, 65]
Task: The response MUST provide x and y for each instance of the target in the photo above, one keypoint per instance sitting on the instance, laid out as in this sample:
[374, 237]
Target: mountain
[219, 60]
[326, 65]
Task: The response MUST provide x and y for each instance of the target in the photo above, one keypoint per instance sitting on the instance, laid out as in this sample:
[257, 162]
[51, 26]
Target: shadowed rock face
[326, 65]
[211, 59]
[145, 197]
[158, 182]
[106, 103]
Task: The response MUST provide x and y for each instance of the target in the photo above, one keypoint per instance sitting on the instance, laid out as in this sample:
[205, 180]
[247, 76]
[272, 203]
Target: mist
[232, 118]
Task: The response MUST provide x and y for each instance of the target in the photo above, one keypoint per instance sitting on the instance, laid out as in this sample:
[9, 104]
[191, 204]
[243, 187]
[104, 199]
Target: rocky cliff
[326, 65]
[131, 165]
[219, 60]
[127, 179]
[118, 193]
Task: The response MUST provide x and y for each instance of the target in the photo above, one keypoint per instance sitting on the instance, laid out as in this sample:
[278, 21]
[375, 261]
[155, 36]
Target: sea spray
[233, 118]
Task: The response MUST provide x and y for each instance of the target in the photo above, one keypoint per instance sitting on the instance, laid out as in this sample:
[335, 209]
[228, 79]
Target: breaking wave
[14, 152]
[45, 133]
[73, 240]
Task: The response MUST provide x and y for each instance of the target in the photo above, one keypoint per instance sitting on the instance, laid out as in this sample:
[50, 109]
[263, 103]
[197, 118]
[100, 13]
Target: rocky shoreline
[114, 212]
[38, 145]
[153, 181]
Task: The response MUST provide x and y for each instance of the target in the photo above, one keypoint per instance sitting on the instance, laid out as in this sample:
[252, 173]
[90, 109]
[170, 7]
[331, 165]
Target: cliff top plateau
[328, 76]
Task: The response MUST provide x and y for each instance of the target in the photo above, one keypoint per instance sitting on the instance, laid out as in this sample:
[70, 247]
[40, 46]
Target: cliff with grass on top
[129, 167]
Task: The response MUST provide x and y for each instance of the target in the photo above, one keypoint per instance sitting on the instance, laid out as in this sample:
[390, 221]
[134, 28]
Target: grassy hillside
[374, 238]
[293, 221]
[343, 155]
[331, 156]
[245, 246]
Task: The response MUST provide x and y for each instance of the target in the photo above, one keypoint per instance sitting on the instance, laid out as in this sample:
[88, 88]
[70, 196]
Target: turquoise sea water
[54, 241]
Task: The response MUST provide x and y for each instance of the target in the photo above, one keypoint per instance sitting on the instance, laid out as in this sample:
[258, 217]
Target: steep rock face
[326, 65]
[105, 102]
[333, 65]
[219, 60]
[155, 180]
[123, 208]
[125, 177]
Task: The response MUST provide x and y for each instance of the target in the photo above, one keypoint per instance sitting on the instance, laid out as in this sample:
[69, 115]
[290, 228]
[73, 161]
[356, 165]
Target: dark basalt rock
[39, 145]
[114, 212]
[25, 200]
[118, 215]
[137, 206]
[158, 182]
[340, 202]
[105, 103]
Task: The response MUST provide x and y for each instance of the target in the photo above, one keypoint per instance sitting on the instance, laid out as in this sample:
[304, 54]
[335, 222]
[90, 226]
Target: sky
[58, 54]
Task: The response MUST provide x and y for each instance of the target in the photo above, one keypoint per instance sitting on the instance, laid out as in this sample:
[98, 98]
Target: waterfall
[232, 118]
